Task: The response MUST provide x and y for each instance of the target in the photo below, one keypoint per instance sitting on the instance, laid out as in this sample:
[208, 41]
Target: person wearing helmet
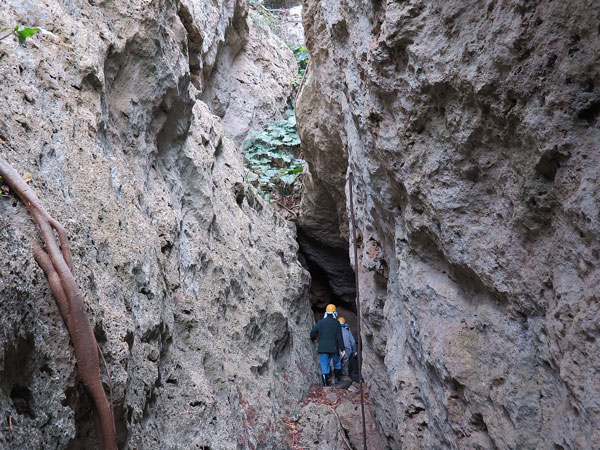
[349, 345]
[331, 343]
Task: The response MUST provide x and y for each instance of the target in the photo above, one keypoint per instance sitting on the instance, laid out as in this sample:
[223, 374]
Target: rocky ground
[331, 419]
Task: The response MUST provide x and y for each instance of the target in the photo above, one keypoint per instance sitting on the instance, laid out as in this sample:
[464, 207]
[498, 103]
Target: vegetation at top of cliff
[273, 157]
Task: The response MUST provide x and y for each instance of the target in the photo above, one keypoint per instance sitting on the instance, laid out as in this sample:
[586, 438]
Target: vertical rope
[360, 378]
[302, 82]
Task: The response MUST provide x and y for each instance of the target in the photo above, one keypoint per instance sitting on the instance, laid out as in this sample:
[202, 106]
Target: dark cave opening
[332, 277]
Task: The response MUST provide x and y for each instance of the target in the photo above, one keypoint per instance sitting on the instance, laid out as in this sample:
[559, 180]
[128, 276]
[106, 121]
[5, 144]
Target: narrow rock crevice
[194, 44]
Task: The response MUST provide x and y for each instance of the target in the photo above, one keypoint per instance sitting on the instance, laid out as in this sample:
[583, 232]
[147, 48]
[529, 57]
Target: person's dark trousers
[337, 373]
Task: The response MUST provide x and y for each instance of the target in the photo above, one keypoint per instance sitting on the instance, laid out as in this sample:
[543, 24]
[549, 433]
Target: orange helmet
[330, 308]
[341, 320]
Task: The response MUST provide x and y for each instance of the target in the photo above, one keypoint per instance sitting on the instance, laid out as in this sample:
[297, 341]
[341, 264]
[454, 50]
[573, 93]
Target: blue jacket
[349, 341]
[330, 335]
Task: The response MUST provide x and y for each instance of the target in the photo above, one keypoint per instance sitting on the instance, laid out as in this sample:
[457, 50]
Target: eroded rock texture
[251, 84]
[472, 130]
[192, 282]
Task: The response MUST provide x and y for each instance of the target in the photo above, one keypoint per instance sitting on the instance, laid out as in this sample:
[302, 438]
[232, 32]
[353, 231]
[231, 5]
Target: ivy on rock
[273, 157]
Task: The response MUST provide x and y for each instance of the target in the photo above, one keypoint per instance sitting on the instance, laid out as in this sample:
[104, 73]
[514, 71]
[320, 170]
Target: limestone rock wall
[252, 83]
[472, 130]
[192, 282]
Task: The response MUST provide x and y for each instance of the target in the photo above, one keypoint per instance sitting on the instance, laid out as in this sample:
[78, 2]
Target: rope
[360, 379]
[302, 81]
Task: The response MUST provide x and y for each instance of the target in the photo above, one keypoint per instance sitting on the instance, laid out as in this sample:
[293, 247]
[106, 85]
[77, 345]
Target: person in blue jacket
[331, 343]
[349, 344]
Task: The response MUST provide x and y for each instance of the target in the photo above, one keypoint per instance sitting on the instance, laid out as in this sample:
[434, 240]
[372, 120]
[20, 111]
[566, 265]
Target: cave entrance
[332, 277]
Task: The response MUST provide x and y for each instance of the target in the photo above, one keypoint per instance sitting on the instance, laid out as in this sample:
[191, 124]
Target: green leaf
[288, 179]
[25, 32]
[270, 155]
[273, 141]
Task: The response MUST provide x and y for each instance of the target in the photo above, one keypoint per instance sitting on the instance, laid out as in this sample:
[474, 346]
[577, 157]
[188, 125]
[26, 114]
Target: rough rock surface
[192, 282]
[472, 129]
[251, 84]
[290, 24]
[330, 419]
[321, 429]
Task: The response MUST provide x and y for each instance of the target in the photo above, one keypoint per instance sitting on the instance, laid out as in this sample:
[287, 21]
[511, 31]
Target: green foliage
[301, 54]
[21, 32]
[272, 155]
